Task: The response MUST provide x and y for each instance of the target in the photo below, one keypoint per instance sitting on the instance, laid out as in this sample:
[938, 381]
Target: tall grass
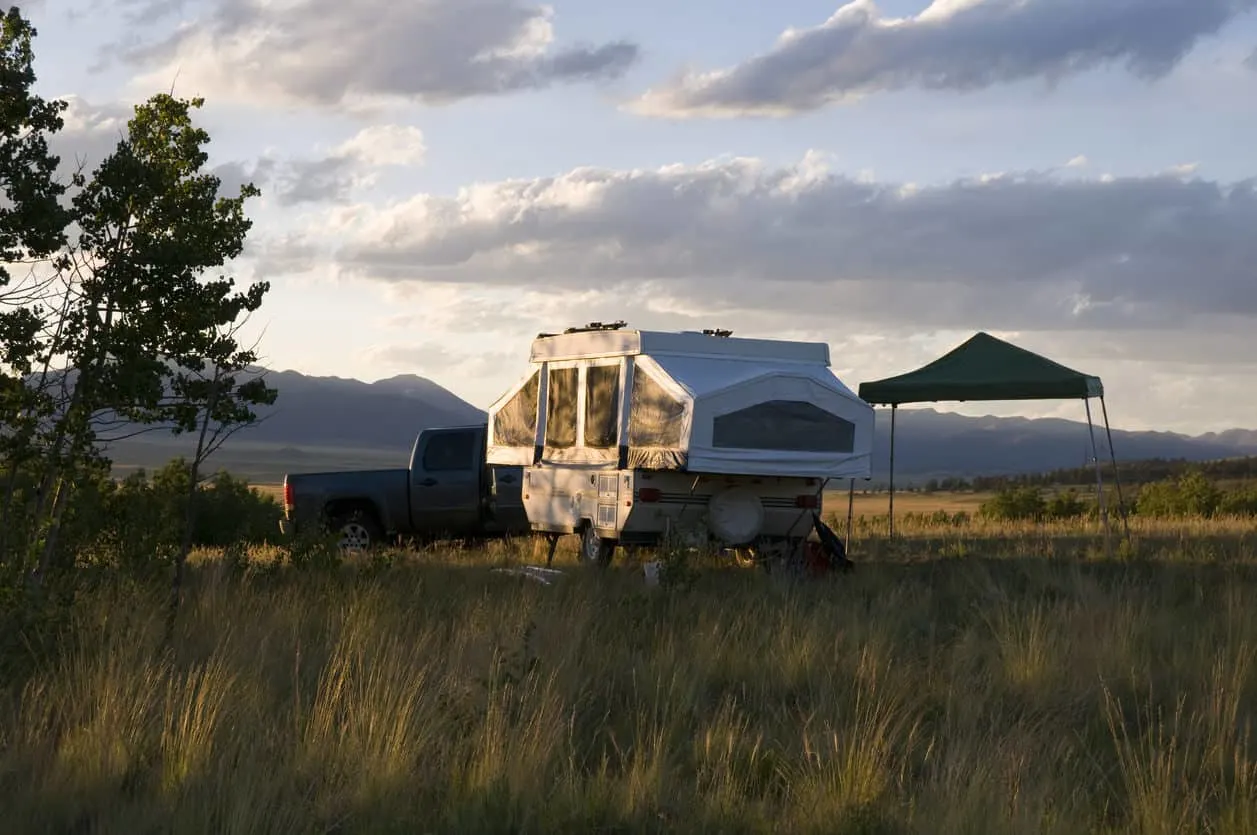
[928, 692]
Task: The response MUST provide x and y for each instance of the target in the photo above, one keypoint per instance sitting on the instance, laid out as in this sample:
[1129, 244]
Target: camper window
[785, 425]
[602, 401]
[515, 424]
[654, 416]
[561, 408]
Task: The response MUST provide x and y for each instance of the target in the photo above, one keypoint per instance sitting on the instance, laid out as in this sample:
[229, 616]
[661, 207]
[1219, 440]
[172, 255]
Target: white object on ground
[545, 576]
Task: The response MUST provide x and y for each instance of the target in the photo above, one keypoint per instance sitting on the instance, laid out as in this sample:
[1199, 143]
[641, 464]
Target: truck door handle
[428, 482]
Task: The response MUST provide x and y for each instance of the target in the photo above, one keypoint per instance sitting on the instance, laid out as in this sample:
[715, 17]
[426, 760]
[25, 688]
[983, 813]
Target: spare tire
[735, 516]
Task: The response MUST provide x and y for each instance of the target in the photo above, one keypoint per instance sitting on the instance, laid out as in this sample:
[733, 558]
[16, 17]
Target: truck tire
[594, 549]
[357, 531]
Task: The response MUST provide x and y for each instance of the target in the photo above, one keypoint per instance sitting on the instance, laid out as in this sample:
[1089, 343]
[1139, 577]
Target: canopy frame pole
[1095, 459]
[894, 408]
[850, 514]
[1117, 480]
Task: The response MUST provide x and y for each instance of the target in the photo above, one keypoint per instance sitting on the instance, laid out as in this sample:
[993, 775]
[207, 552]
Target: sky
[444, 179]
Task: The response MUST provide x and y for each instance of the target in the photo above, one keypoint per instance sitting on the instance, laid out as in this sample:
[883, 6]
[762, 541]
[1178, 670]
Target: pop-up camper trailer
[626, 435]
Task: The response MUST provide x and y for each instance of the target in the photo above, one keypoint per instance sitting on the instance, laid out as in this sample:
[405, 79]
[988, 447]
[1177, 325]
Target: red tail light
[649, 494]
[288, 502]
[811, 501]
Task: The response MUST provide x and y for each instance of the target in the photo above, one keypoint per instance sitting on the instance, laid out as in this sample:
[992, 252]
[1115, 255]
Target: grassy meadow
[988, 678]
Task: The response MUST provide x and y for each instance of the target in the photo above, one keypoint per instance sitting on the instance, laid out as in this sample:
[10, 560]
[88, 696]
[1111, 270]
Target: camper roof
[588, 344]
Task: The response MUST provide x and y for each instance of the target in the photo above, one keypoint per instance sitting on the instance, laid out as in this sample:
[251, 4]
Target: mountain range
[321, 423]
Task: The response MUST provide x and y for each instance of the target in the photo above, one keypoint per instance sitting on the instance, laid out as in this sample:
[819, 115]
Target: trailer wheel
[595, 549]
[356, 531]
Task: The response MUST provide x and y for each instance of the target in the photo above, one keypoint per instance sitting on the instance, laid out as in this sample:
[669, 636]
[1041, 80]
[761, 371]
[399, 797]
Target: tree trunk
[23, 454]
[6, 514]
[75, 425]
[189, 515]
[185, 548]
[60, 501]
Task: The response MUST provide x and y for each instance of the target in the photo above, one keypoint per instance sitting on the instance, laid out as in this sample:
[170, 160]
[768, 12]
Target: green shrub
[140, 520]
[1015, 503]
[1067, 505]
[1192, 494]
[1239, 503]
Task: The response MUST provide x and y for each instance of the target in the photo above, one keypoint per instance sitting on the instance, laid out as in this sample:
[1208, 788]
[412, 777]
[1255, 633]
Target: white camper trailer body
[626, 436]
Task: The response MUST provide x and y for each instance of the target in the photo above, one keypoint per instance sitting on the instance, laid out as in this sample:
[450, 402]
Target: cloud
[957, 45]
[383, 145]
[89, 133]
[735, 236]
[331, 53]
[354, 164]
[1251, 61]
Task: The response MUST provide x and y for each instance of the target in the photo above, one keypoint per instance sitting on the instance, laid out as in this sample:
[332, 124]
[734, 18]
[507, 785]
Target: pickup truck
[447, 492]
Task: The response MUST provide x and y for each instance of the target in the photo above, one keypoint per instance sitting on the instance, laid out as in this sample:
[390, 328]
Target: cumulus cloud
[89, 133]
[330, 53]
[958, 45]
[734, 235]
[354, 164]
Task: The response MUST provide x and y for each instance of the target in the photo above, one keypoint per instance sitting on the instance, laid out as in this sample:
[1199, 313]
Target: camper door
[583, 408]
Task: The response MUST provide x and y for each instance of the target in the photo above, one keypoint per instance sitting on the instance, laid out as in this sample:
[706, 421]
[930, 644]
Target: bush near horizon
[229, 511]
[1191, 494]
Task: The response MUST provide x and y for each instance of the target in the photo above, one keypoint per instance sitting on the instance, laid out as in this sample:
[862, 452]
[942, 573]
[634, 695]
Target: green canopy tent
[987, 368]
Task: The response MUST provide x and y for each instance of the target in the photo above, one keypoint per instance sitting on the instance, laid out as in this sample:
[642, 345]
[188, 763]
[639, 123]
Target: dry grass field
[991, 679]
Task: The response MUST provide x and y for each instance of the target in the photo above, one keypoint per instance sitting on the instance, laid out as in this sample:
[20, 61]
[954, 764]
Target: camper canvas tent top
[692, 402]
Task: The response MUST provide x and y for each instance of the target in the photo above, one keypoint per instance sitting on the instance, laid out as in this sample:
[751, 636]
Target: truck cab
[454, 492]
[447, 491]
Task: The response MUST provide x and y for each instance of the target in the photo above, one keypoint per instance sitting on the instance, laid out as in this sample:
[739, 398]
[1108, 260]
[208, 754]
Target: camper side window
[654, 416]
[561, 408]
[515, 424]
[602, 401]
[784, 425]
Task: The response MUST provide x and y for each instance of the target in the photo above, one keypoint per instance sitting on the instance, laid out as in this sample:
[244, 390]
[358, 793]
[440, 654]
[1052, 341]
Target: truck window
[450, 452]
[602, 405]
[561, 408]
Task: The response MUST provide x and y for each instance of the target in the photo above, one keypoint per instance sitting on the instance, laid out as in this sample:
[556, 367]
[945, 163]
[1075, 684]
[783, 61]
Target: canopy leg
[1117, 481]
[894, 407]
[1095, 459]
[850, 513]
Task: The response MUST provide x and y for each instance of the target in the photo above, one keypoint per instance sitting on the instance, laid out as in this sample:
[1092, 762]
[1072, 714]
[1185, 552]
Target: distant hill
[933, 444]
[332, 411]
[335, 423]
[318, 423]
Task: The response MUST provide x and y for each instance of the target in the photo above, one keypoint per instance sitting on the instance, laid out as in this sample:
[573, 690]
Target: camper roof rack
[590, 328]
[598, 326]
[717, 332]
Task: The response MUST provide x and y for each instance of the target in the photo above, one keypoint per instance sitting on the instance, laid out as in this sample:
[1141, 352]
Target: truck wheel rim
[354, 537]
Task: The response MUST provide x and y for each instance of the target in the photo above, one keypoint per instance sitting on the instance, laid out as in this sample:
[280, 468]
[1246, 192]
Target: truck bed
[387, 490]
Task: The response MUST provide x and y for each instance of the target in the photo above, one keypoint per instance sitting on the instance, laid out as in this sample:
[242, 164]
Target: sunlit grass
[990, 678]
